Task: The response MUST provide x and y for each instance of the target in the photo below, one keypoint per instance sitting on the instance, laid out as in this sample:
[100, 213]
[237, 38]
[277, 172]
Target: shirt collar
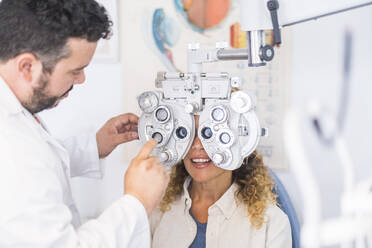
[226, 204]
[8, 99]
[186, 195]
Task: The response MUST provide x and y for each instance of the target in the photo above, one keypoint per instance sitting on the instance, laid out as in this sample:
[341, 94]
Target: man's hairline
[64, 54]
[67, 49]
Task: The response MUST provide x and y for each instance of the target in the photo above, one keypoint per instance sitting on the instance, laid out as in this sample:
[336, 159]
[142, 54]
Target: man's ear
[29, 67]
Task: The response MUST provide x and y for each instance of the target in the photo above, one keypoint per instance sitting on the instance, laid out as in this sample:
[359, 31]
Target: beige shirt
[228, 225]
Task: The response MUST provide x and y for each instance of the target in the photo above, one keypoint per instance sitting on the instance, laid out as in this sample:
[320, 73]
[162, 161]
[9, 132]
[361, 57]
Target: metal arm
[256, 16]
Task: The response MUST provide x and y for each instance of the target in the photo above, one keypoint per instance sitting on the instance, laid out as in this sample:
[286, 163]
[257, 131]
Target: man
[44, 47]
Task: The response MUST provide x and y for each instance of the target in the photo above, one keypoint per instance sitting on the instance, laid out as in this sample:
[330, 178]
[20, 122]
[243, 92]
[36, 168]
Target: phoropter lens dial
[158, 137]
[181, 132]
[218, 114]
[225, 138]
[206, 133]
[162, 114]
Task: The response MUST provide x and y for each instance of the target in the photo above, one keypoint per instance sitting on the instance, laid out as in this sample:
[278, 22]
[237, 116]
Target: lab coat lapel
[60, 150]
[62, 153]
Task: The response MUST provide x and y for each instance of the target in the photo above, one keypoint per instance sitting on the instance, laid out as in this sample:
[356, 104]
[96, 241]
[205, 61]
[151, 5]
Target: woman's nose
[197, 143]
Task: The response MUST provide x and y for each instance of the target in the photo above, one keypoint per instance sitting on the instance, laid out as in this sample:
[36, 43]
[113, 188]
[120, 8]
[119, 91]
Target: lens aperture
[206, 133]
[225, 138]
[161, 114]
[181, 132]
[218, 114]
[158, 137]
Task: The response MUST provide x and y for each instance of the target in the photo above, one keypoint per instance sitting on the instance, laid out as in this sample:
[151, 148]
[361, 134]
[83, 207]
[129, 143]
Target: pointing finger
[146, 150]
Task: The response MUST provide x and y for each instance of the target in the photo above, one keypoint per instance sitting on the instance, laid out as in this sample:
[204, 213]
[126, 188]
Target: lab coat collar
[12, 106]
[8, 100]
[227, 204]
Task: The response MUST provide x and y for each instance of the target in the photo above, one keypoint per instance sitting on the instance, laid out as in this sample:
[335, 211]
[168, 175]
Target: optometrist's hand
[146, 178]
[117, 130]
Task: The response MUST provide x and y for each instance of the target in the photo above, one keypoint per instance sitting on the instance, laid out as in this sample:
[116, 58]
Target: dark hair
[42, 27]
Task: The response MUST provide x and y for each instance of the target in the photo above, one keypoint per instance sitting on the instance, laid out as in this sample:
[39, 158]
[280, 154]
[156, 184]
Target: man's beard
[40, 100]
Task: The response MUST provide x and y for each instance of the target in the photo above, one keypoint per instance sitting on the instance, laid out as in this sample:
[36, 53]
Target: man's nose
[80, 79]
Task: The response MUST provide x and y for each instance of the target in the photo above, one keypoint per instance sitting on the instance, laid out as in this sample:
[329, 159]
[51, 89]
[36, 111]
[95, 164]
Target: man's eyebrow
[80, 68]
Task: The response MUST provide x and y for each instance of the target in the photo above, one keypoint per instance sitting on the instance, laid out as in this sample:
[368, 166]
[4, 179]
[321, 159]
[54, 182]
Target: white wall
[317, 62]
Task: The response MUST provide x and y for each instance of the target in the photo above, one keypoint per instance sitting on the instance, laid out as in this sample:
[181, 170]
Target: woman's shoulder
[278, 227]
[274, 210]
[275, 215]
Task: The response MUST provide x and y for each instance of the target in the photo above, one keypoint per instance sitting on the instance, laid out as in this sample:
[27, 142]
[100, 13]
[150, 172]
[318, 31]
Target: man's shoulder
[20, 143]
[14, 130]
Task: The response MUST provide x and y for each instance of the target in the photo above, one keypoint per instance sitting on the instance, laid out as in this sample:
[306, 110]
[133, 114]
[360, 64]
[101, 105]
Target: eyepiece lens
[206, 133]
[181, 132]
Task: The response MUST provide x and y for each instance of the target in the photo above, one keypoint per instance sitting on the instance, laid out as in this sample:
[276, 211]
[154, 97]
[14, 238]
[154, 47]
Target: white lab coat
[36, 205]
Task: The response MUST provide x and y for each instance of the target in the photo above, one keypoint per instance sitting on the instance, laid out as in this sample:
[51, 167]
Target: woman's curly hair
[255, 187]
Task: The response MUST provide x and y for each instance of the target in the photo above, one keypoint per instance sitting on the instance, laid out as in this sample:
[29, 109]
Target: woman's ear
[29, 67]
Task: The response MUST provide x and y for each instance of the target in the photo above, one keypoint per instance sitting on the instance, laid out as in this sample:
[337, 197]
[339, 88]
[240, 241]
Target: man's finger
[130, 127]
[124, 120]
[127, 127]
[146, 150]
[127, 118]
[126, 137]
[152, 161]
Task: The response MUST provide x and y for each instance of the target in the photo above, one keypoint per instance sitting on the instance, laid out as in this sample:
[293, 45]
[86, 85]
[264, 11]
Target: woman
[207, 206]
